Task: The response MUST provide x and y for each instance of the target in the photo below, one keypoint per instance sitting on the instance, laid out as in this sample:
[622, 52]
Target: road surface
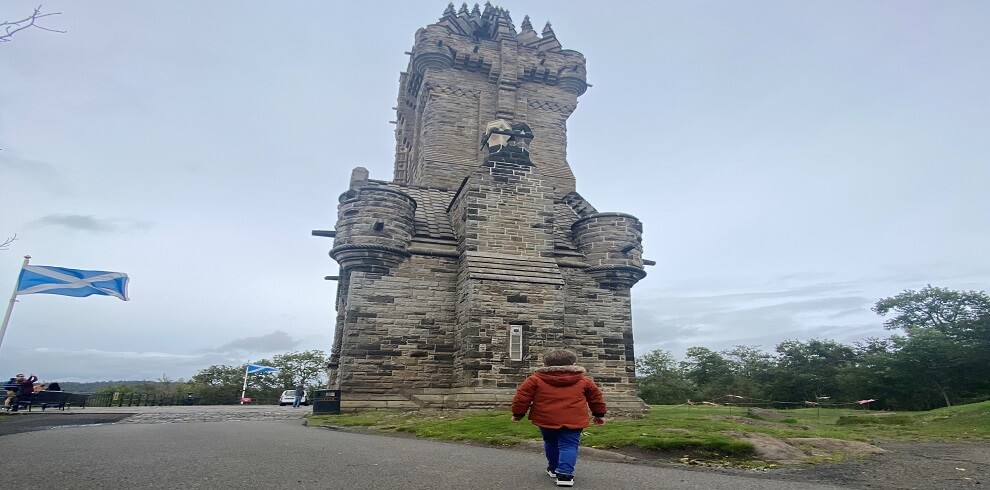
[249, 451]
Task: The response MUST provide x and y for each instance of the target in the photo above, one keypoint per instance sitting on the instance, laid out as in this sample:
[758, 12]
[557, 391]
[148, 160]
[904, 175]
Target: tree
[870, 373]
[948, 311]
[808, 370]
[9, 28]
[220, 375]
[222, 384]
[944, 350]
[753, 370]
[711, 373]
[6, 243]
[661, 381]
[306, 368]
[930, 362]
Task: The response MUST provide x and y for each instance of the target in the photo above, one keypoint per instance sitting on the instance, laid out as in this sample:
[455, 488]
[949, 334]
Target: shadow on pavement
[26, 422]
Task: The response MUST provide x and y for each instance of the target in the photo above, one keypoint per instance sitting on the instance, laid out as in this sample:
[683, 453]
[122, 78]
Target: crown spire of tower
[548, 29]
[464, 9]
[449, 10]
[526, 25]
[548, 41]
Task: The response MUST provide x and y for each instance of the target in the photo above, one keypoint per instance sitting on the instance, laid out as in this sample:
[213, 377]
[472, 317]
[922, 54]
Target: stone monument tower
[479, 255]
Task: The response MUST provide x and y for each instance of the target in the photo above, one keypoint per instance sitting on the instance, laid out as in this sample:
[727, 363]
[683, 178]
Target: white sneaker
[565, 480]
[551, 473]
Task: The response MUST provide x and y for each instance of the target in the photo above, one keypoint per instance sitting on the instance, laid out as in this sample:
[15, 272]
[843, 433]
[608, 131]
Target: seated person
[11, 388]
[25, 389]
[53, 386]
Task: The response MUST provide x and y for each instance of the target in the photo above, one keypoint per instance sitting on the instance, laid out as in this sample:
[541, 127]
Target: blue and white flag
[259, 369]
[43, 279]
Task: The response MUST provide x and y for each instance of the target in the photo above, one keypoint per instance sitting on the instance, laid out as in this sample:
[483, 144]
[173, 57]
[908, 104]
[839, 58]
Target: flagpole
[13, 299]
[244, 388]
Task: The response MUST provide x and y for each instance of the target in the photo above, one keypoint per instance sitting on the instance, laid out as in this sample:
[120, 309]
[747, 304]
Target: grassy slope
[696, 428]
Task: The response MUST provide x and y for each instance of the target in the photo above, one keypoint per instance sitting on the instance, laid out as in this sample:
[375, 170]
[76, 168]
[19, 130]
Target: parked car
[289, 397]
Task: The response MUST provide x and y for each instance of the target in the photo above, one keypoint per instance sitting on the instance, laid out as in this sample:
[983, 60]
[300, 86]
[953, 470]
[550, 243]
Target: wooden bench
[46, 399]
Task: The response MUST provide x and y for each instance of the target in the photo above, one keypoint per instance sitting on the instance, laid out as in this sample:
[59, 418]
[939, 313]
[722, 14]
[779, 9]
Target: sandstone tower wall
[397, 329]
[459, 79]
[479, 256]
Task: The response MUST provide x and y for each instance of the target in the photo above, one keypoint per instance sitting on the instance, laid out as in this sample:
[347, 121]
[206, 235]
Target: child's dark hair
[559, 357]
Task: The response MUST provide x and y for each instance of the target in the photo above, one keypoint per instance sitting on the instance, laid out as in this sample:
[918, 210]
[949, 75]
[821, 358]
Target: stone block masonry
[479, 256]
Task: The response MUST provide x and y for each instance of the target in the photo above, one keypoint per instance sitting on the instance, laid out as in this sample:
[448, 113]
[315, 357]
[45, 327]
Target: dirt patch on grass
[762, 423]
[823, 447]
[769, 448]
[882, 465]
[912, 465]
[766, 414]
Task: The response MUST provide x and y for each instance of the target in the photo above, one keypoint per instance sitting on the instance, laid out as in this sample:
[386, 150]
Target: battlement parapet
[474, 42]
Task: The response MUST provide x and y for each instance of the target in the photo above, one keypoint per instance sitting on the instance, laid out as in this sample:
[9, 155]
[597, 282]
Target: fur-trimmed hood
[553, 369]
[561, 375]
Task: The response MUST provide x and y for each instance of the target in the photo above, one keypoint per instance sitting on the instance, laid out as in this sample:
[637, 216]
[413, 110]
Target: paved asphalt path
[34, 421]
[276, 454]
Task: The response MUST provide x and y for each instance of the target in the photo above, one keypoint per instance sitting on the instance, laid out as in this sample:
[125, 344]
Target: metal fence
[153, 400]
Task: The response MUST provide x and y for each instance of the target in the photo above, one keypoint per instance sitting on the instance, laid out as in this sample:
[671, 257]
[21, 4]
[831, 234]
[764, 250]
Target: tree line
[221, 384]
[938, 356]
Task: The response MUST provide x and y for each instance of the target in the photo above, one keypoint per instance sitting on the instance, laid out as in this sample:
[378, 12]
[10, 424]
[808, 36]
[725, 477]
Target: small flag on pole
[253, 369]
[43, 279]
[259, 369]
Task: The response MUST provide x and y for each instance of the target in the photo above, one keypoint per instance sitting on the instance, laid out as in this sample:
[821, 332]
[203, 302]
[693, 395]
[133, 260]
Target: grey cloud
[960, 278]
[25, 166]
[759, 318]
[808, 306]
[62, 364]
[273, 342]
[813, 290]
[765, 313]
[652, 329]
[728, 308]
[845, 313]
[34, 171]
[91, 223]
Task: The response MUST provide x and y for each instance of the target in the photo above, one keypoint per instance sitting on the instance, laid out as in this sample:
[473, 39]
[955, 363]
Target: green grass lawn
[699, 429]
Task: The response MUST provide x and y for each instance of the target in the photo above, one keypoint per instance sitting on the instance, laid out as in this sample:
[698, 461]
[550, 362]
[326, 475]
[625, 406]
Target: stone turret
[374, 226]
[612, 244]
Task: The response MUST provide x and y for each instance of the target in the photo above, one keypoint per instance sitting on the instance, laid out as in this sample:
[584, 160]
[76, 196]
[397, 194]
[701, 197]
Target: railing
[132, 400]
[153, 400]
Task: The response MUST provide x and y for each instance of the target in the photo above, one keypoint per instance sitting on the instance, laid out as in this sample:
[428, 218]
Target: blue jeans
[295, 404]
[561, 448]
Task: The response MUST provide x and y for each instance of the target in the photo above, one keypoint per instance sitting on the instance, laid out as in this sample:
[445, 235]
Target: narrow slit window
[515, 343]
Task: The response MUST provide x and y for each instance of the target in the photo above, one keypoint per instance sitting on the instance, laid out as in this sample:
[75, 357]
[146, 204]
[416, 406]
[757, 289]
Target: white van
[289, 397]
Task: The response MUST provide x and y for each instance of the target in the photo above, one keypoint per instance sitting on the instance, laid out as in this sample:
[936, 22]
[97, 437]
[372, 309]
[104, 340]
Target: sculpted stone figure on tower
[460, 272]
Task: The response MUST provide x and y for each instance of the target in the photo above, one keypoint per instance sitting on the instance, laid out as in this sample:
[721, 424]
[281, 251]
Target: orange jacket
[558, 396]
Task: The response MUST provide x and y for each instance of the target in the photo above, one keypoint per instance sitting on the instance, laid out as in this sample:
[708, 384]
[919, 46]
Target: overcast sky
[792, 163]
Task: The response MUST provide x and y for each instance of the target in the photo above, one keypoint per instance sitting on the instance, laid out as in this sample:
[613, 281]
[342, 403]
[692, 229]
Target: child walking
[558, 397]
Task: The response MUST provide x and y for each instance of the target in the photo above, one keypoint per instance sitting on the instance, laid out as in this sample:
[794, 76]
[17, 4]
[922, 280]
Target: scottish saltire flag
[259, 369]
[43, 279]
